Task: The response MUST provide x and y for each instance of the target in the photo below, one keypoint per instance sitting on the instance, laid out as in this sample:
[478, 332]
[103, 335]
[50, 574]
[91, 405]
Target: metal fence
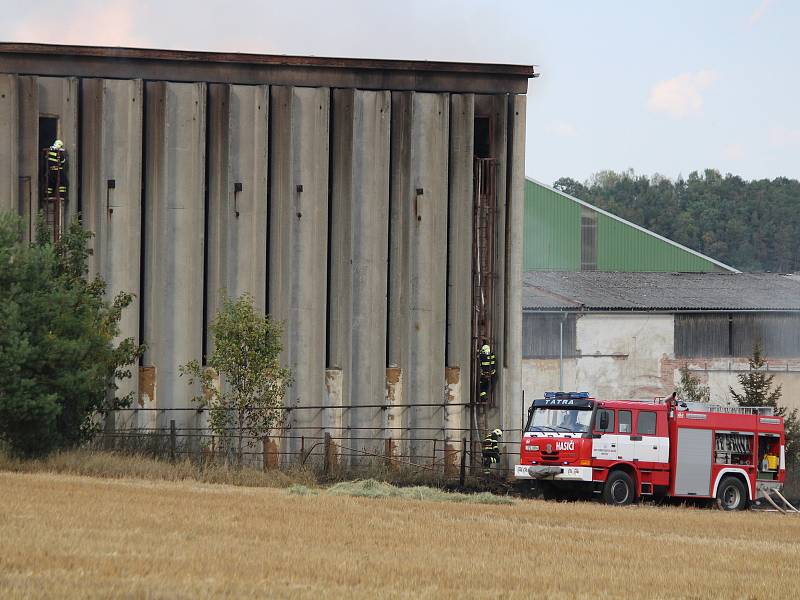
[435, 452]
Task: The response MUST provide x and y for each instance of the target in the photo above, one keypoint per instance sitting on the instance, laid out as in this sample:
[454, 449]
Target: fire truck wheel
[618, 489]
[731, 494]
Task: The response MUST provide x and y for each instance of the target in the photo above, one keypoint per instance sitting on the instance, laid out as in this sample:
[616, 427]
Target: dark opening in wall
[52, 203]
[482, 137]
[48, 131]
[545, 334]
[714, 335]
[588, 239]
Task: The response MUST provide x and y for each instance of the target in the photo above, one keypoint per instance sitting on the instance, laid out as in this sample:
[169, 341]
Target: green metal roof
[553, 239]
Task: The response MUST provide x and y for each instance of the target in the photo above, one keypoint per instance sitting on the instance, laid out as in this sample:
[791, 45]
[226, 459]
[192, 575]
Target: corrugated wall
[552, 231]
[553, 240]
[621, 247]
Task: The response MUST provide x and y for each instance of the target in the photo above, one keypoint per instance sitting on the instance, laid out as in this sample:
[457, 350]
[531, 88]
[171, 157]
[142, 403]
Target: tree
[757, 390]
[690, 388]
[58, 361]
[752, 225]
[252, 384]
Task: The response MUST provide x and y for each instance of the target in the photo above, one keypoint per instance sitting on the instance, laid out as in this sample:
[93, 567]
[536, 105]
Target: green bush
[58, 362]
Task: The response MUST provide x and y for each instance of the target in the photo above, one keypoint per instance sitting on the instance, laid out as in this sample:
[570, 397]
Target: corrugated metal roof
[595, 290]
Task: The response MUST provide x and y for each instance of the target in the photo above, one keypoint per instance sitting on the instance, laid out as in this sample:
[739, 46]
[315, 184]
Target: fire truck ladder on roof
[764, 411]
[484, 214]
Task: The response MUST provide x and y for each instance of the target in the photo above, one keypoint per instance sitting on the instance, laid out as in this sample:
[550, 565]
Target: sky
[664, 87]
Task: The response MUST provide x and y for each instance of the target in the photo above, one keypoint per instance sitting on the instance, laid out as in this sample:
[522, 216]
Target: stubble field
[64, 536]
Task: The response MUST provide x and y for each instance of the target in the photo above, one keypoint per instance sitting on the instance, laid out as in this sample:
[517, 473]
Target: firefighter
[491, 449]
[57, 170]
[488, 365]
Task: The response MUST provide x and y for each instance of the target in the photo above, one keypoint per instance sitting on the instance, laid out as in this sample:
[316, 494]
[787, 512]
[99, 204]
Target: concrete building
[564, 233]
[338, 192]
[626, 335]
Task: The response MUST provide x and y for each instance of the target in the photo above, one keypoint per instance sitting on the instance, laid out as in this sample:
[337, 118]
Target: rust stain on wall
[451, 462]
[147, 386]
[452, 375]
[392, 375]
[270, 453]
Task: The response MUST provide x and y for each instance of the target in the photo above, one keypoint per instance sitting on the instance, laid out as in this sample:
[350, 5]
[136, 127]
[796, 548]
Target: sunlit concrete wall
[111, 186]
[345, 213]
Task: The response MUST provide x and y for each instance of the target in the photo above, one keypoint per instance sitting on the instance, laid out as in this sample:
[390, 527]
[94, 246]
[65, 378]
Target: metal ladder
[484, 215]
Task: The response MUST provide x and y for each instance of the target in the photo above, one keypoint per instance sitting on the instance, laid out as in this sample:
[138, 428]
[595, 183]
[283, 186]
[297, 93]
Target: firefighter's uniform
[488, 365]
[491, 449]
[56, 176]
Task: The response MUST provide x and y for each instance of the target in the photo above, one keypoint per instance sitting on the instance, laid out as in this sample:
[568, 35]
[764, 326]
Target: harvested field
[64, 536]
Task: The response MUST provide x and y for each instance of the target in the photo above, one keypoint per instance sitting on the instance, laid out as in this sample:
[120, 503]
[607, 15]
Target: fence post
[327, 457]
[172, 440]
[108, 431]
[462, 475]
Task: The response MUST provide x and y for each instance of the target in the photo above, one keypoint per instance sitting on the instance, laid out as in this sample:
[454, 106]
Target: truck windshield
[559, 419]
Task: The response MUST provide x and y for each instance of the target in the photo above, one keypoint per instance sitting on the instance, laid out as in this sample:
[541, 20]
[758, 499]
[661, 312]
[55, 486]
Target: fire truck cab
[626, 449]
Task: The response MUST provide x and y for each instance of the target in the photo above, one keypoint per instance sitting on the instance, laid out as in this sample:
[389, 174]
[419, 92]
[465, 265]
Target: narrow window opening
[206, 206]
[53, 182]
[483, 136]
[484, 244]
[329, 257]
[143, 229]
[588, 240]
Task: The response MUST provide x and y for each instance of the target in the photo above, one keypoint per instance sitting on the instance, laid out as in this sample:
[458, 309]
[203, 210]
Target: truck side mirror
[603, 421]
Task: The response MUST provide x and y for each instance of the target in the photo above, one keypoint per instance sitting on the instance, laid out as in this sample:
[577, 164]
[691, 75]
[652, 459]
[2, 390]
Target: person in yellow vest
[488, 370]
[57, 181]
[491, 449]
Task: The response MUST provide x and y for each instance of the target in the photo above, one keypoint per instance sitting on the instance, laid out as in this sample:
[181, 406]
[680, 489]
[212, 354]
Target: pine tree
[59, 362]
[757, 390]
[690, 388]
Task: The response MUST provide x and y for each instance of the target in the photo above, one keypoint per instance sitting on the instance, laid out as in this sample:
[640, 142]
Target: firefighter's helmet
[58, 145]
[485, 349]
[498, 432]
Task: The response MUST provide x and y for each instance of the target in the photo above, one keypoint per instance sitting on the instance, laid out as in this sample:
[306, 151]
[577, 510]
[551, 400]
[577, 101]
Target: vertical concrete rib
[28, 132]
[512, 393]
[419, 256]
[359, 231]
[298, 242]
[174, 224]
[9, 159]
[111, 155]
[58, 97]
[237, 203]
[459, 236]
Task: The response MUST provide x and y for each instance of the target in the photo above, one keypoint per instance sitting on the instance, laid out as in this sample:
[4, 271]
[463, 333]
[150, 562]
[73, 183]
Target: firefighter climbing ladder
[483, 280]
[52, 202]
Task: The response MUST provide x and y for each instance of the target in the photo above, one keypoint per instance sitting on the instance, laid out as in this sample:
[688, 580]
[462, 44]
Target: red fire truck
[624, 450]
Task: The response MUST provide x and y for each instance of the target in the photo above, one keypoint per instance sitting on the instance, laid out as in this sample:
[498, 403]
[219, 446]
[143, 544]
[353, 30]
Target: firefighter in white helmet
[491, 449]
[488, 370]
[56, 175]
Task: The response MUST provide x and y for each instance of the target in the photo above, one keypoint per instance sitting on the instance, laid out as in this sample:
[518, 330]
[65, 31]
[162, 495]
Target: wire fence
[442, 451]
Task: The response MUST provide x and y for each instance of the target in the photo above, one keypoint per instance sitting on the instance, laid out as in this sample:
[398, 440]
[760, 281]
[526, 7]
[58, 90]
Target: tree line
[750, 225]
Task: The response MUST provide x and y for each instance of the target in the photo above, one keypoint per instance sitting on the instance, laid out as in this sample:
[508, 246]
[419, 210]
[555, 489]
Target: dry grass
[69, 537]
[371, 488]
[132, 466]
